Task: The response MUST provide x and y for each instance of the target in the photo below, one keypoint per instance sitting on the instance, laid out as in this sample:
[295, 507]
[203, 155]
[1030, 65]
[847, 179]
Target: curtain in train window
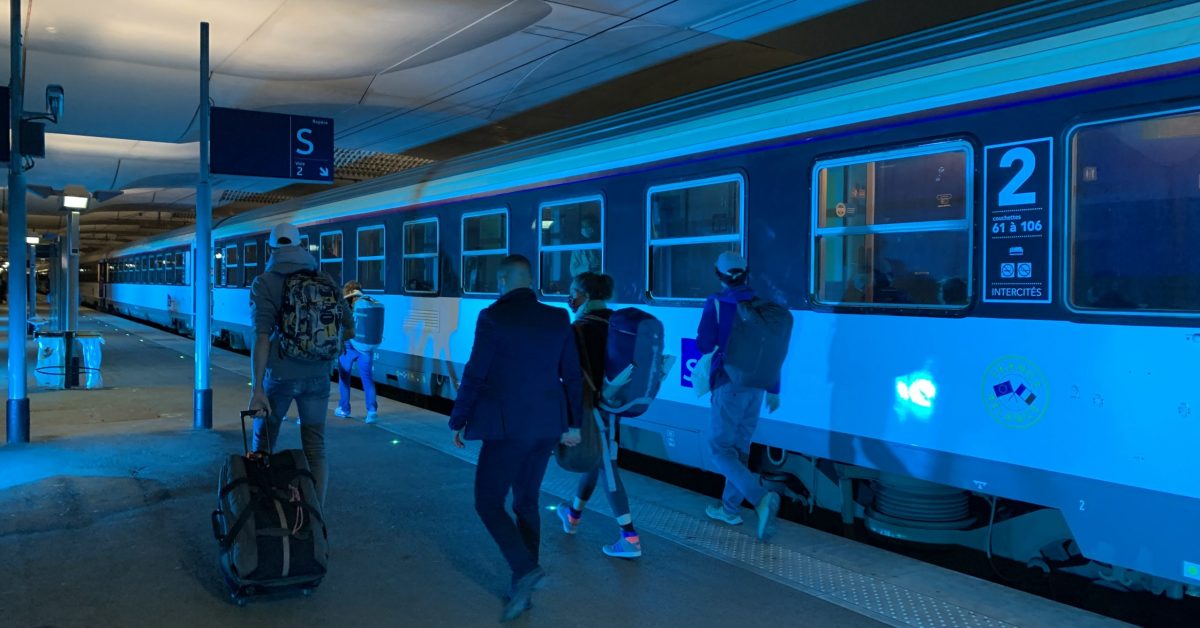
[690, 225]
[331, 255]
[485, 245]
[250, 263]
[420, 256]
[571, 242]
[1135, 215]
[893, 228]
[370, 257]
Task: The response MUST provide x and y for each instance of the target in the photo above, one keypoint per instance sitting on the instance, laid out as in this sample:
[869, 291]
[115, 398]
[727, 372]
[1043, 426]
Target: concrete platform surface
[104, 521]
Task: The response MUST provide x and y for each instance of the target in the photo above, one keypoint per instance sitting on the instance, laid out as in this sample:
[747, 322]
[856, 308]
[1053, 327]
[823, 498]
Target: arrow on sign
[324, 171]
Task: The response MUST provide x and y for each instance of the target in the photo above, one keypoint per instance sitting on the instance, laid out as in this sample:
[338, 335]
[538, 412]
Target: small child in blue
[350, 354]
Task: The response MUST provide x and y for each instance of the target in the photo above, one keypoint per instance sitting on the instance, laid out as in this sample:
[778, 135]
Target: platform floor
[104, 521]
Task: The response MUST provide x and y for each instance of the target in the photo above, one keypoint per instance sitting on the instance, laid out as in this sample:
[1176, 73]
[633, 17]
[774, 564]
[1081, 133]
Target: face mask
[587, 233]
[575, 302]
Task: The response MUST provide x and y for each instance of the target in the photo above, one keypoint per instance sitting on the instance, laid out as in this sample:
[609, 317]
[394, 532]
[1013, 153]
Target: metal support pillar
[71, 245]
[202, 264]
[17, 408]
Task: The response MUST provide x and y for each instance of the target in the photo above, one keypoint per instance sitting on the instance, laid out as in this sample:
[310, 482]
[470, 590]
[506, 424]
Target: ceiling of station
[406, 81]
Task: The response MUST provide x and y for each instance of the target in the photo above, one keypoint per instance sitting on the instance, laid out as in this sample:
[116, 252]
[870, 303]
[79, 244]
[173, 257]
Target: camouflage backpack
[310, 320]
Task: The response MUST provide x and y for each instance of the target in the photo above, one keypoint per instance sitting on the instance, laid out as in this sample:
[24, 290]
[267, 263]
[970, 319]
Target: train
[984, 234]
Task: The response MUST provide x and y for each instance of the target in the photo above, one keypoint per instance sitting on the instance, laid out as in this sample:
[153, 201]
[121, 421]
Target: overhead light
[31, 240]
[75, 202]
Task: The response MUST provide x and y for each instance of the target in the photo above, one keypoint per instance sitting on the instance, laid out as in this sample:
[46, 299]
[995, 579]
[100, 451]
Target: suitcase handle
[245, 440]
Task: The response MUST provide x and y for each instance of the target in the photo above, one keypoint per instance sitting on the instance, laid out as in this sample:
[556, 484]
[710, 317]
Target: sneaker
[342, 414]
[372, 417]
[627, 547]
[570, 524]
[295, 420]
[767, 508]
[718, 512]
[521, 599]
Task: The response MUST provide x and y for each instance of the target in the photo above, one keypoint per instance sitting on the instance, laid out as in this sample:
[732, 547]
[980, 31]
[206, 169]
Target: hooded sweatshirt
[266, 299]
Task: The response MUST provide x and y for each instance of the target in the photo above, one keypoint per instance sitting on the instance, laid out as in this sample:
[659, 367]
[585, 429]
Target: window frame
[967, 223]
[321, 259]
[1068, 252]
[651, 242]
[462, 223]
[225, 265]
[435, 255]
[382, 257]
[558, 248]
[247, 263]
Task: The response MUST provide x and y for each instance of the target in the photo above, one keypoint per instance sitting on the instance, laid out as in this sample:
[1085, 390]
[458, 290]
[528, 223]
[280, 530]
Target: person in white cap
[351, 355]
[300, 322]
[735, 409]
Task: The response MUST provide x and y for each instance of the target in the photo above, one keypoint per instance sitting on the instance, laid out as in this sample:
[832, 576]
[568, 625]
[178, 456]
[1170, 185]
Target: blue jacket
[711, 335]
[523, 380]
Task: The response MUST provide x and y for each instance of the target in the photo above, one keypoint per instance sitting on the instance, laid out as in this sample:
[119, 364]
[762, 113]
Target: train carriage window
[331, 255]
[371, 245]
[893, 228]
[1134, 215]
[571, 242]
[690, 224]
[180, 269]
[232, 266]
[142, 276]
[165, 268]
[305, 245]
[485, 245]
[420, 272]
[250, 263]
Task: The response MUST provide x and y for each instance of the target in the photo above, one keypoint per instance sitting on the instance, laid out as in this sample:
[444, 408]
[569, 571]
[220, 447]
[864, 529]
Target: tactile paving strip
[861, 593]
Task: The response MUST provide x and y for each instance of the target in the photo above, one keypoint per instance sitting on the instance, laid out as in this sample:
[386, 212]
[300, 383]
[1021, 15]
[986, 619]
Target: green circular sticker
[1015, 392]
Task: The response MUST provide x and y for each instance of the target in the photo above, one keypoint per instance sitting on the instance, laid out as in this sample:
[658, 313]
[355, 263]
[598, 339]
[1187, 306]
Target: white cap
[730, 263]
[284, 234]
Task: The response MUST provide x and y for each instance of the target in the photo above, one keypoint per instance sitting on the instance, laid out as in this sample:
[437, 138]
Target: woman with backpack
[351, 354]
[588, 298]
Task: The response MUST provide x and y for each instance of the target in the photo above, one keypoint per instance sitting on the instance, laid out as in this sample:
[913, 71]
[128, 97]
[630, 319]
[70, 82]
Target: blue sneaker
[372, 417]
[570, 524]
[627, 547]
[718, 512]
[767, 508]
[341, 414]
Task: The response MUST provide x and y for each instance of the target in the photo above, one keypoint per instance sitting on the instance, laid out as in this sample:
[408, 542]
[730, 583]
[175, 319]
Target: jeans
[734, 418]
[312, 403]
[345, 364]
[516, 465]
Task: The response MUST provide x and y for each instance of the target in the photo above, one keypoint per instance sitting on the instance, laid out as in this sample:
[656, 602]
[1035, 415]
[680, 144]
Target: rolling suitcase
[268, 523]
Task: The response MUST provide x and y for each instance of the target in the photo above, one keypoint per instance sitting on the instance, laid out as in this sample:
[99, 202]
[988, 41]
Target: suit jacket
[523, 380]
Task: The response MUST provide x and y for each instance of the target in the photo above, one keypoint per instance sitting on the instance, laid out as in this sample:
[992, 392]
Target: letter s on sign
[301, 136]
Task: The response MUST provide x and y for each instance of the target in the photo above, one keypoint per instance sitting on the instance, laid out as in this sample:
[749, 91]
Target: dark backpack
[634, 365]
[310, 318]
[758, 344]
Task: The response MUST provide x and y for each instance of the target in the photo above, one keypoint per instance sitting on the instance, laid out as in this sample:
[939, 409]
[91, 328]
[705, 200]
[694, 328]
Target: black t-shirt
[591, 335]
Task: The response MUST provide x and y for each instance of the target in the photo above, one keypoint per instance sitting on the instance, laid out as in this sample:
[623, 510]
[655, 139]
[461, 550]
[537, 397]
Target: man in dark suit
[521, 393]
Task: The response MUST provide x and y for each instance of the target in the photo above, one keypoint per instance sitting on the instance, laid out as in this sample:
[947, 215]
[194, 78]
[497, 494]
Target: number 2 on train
[1009, 194]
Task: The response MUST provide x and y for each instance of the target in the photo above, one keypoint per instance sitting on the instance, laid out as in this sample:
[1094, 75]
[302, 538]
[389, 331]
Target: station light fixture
[32, 240]
[75, 202]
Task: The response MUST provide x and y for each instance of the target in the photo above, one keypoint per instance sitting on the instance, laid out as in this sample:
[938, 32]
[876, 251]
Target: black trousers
[517, 466]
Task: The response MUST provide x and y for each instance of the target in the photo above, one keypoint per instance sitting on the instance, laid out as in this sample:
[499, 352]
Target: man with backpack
[747, 338]
[300, 322]
[521, 393]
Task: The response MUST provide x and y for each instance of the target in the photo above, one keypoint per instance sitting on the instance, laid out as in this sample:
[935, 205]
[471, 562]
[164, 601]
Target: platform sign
[1017, 241]
[273, 145]
[5, 125]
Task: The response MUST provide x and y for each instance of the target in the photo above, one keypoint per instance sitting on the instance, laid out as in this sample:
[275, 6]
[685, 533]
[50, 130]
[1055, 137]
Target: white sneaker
[340, 413]
[371, 417]
[718, 512]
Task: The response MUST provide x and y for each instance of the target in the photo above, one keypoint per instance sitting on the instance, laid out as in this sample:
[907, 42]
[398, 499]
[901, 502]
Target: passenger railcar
[988, 255]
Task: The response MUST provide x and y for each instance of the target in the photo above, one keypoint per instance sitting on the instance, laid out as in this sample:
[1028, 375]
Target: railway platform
[104, 521]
